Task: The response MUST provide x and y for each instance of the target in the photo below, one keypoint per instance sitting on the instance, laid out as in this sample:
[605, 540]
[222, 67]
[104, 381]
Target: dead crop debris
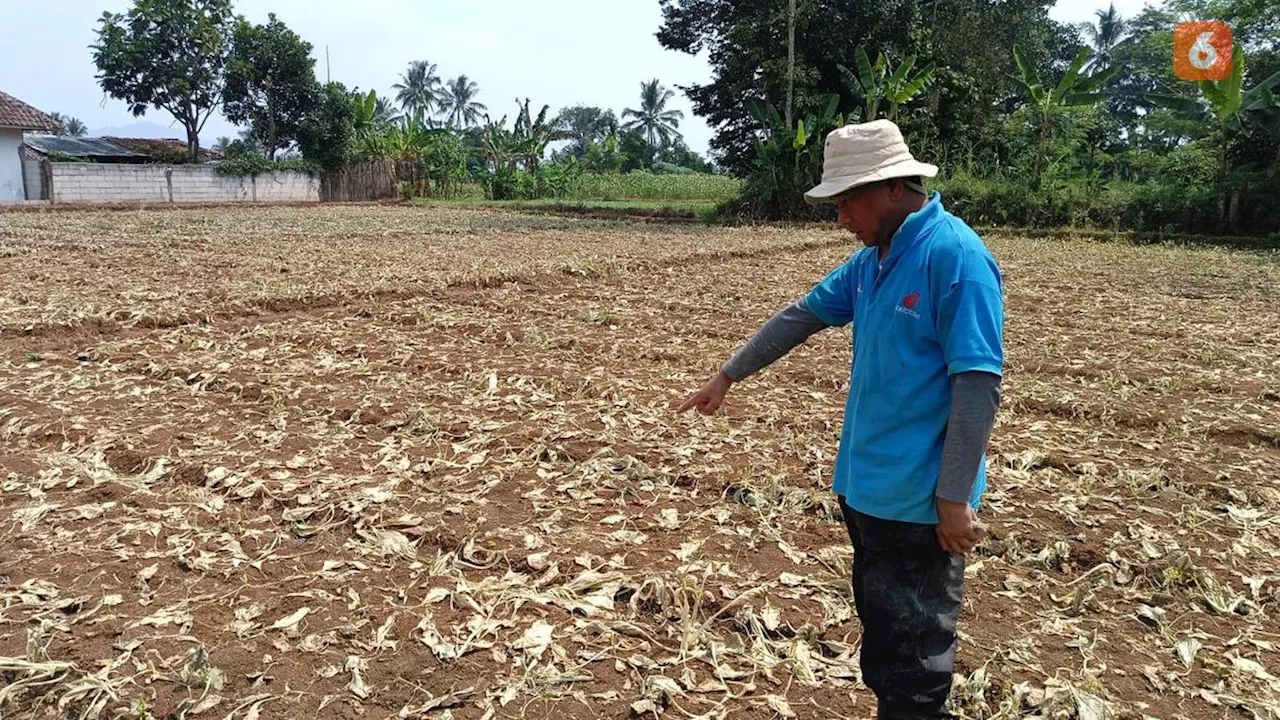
[388, 462]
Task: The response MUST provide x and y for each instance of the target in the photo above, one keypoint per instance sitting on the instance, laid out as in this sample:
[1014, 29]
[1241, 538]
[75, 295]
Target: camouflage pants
[907, 591]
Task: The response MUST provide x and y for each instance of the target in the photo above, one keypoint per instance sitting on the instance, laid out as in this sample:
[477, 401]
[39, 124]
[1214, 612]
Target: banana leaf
[1085, 99]
[900, 75]
[1030, 80]
[865, 74]
[919, 83]
[1073, 73]
[1097, 80]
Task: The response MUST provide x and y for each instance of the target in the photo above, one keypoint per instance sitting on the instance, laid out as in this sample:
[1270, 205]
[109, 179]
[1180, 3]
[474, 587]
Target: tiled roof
[16, 114]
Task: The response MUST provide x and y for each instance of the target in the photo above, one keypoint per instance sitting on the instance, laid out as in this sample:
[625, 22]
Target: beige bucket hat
[864, 153]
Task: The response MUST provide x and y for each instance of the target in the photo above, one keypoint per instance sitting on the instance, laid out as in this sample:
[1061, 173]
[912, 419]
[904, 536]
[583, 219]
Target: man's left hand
[958, 529]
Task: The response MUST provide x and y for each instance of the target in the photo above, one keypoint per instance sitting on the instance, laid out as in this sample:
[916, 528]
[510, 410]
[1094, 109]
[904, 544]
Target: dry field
[400, 462]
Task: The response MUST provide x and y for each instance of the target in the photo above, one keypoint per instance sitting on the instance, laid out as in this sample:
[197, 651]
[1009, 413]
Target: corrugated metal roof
[78, 147]
[162, 147]
[16, 114]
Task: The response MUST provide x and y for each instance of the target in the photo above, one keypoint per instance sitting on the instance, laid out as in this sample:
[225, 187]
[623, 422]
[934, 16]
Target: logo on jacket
[908, 306]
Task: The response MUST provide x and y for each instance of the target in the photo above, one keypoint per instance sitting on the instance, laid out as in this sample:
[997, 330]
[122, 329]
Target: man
[925, 302]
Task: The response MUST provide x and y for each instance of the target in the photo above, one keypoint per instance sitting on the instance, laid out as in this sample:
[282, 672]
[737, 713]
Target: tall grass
[647, 186]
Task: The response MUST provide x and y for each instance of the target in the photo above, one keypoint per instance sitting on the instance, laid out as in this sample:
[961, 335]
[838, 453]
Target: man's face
[864, 210]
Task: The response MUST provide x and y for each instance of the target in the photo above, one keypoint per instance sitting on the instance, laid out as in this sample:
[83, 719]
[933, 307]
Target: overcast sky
[557, 52]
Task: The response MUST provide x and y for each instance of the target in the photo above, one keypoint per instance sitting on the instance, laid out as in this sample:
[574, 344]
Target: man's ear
[896, 190]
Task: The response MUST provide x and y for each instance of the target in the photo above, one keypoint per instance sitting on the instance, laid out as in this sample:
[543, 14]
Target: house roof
[78, 147]
[16, 114]
[163, 149]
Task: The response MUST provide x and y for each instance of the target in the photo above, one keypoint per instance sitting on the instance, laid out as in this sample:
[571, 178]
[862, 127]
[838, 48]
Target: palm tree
[68, 125]
[385, 112]
[74, 128]
[1110, 30]
[419, 87]
[458, 104]
[653, 118]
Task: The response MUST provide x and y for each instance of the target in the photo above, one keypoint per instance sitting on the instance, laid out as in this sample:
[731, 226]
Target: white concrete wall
[115, 183]
[11, 189]
[108, 183]
[287, 187]
[200, 184]
[32, 177]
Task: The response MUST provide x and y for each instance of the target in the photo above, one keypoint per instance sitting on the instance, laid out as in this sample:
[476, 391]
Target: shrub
[243, 164]
[1116, 205]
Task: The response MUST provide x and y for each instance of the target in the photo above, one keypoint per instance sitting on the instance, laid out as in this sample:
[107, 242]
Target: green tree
[658, 124]
[974, 87]
[678, 154]
[881, 82]
[604, 156]
[788, 160]
[245, 144]
[1108, 32]
[385, 112]
[1072, 91]
[513, 157]
[1255, 23]
[633, 151]
[326, 134]
[445, 159]
[533, 134]
[68, 126]
[586, 126]
[271, 83]
[371, 127]
[167, 54]
[968, 41]
[1145, 57]
[1226, 105]
[419, 87]
[458, 102]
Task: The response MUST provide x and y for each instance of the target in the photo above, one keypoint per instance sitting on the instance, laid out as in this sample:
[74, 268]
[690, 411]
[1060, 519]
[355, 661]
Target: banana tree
[406, 141]
[534, 134]
[1072, 91]
[1226, 106]
[370, 130]
[502, 150]
[788, 158]
[881, 82]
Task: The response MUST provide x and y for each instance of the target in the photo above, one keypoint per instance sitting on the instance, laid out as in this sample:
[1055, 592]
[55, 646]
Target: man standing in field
[925, 301]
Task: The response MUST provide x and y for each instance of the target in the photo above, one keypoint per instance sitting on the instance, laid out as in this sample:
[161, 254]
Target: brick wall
[113, 183]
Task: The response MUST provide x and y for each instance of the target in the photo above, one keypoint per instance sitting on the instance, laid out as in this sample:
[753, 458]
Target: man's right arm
[790, 327]
[828, 304]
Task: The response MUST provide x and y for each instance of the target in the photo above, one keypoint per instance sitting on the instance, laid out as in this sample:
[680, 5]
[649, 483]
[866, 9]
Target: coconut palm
[68, 125]
[458, 104]
[385, 112]
[1110, 30]
[419, 87]
[657, 123]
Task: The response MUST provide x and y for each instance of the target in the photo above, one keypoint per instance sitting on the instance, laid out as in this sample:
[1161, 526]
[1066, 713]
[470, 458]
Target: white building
[16, 117]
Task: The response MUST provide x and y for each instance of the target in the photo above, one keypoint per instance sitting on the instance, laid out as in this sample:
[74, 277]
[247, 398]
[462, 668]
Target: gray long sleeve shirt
[975, 396]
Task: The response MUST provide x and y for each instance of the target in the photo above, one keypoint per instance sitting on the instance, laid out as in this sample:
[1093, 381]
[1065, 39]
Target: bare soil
[382, 461]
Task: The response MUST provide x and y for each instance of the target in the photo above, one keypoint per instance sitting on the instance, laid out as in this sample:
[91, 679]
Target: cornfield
[408, 462]
[647, 186]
